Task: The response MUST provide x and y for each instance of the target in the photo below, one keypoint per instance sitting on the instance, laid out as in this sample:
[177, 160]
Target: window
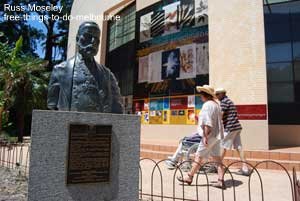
[278, 52]
[277, 26]
[297, 91]
[280, 72]
[296, 50]
[297, 71]
[282, 33]
[274, 1]
[281, 92]
[123, 30]
[296, 26]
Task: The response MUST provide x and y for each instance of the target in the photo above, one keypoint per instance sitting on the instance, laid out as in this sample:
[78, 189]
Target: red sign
[179, 103]
[252, 112]
[138, 106]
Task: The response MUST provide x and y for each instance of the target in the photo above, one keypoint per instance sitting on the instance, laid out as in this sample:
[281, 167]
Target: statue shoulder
[106, 71]
[60, 66]
[65, 64]
[63, 67]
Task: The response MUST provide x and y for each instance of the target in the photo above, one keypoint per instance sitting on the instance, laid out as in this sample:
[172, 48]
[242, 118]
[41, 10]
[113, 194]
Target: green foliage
[5, 121]
[23, 80]
[55, 34]
[14, 29]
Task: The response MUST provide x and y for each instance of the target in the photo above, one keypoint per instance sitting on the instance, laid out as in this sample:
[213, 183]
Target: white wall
[140, 4]
[237, 59]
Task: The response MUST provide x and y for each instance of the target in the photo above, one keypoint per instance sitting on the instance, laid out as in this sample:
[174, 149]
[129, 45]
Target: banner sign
[138, 105]
[179, 103]
[157, 104]
[167, 21]
[252, 112]
[166, 103]
[198, 102]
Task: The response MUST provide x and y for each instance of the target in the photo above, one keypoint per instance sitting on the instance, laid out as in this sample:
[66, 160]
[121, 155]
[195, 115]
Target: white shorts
[212, 149]
[232, 140]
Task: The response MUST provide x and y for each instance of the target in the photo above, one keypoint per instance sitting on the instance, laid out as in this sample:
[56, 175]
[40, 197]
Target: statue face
[88, 41]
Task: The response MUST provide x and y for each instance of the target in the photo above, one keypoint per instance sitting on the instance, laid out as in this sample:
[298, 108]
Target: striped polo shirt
[230, 117]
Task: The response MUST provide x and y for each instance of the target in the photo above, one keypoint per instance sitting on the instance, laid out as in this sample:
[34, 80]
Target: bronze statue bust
[81, 84]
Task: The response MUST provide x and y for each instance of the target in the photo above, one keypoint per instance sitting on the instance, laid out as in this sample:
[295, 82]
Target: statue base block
[77, 156]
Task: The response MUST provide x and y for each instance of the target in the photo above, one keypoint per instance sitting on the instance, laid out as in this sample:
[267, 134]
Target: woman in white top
[210, 127]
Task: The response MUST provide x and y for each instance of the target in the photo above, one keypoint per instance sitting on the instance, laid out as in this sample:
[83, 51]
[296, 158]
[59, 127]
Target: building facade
[161, 50]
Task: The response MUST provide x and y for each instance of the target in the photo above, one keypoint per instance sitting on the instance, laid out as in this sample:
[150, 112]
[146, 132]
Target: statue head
[88, 39]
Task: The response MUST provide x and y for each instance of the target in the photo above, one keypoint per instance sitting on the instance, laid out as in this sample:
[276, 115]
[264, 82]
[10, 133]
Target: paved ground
[13, 186]
[276, 186]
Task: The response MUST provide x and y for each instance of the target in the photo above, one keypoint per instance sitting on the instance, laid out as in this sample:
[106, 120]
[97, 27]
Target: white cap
[220, 90]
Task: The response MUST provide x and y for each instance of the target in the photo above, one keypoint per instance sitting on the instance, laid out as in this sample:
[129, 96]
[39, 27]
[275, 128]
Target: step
[288, 159]
[263, 154]
[288, 164]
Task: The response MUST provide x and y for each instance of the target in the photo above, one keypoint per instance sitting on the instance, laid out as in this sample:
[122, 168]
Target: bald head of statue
[88, 39]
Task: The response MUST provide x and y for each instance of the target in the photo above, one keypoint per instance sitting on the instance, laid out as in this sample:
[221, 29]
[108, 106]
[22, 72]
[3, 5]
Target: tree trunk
[49, 46]
[1, 111]
[20, 125]
[21, 112]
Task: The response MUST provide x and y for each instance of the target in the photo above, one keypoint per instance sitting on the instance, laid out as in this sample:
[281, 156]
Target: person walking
[210, 128]
[232, 129]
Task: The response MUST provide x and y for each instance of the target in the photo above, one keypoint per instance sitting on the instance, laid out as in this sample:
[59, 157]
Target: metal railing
[15, 156]
[153, 182]
[159, 182]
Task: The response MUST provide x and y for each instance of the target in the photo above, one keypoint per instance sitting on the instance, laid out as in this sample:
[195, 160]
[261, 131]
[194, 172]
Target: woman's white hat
[207, 89]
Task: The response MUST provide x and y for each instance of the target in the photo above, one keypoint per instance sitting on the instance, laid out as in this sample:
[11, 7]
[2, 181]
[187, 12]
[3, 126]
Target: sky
[38, 25]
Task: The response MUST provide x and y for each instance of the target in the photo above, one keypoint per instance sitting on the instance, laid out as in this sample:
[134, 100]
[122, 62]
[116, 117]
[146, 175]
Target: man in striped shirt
[232, 129]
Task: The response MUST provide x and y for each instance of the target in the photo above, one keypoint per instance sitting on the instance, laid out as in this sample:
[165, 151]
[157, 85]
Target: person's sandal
[185, 180]
[220, 184]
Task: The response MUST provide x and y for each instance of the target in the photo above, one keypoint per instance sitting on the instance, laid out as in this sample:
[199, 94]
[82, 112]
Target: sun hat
[206, 89]
[220, 90]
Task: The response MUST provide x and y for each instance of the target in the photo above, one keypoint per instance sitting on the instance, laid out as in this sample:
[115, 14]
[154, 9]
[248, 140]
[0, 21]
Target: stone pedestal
[50, 158]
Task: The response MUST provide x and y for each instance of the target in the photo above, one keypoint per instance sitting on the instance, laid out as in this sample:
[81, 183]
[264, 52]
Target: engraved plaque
[89, 154]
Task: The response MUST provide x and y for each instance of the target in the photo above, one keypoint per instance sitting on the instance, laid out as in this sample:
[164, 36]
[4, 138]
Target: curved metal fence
[157, 189]
[158, 183]
[15, 156]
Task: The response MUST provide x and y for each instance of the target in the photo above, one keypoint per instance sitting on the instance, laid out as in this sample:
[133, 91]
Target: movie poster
[154, 68]
[152, 113]
[138, 106]
[170, 64]
[186, 14]
[166, 116]
[191, 117]
[181, 112]
[143, 69]
[156, 105]
[145, 117]
[174, 112]
[166, 103]
[145, 27]
[202, 59]
[198, 103]
[146, 104]
[201, 12]
[188, 61]
[157, 23]
[171, 18]
[191, 101]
